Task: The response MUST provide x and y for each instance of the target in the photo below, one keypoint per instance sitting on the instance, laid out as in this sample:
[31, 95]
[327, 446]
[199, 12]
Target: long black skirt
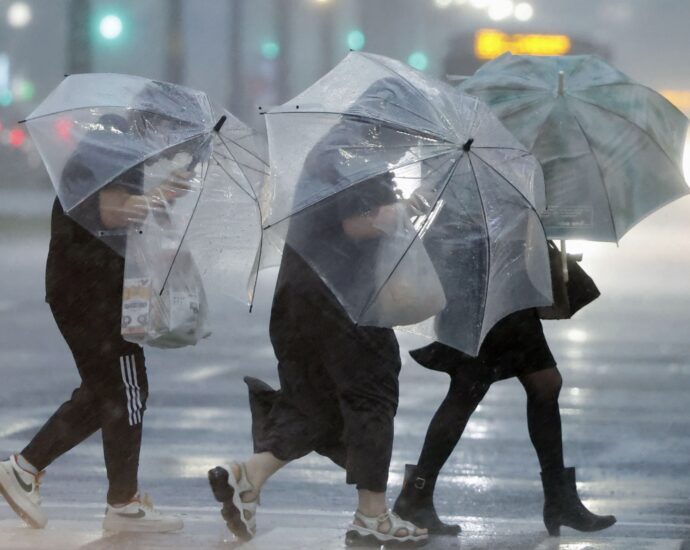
[338, 382]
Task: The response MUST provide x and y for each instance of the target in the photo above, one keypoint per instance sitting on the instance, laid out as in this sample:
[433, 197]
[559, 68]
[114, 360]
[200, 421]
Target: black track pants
[111, 397]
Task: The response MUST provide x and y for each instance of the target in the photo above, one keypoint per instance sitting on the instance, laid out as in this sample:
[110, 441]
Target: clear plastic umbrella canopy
[100, 132]
[450, 193]
[611, 149]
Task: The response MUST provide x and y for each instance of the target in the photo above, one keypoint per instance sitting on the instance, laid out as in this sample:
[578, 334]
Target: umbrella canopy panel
[225, 231]
[611, 149]
[447, 189]
[112, 123]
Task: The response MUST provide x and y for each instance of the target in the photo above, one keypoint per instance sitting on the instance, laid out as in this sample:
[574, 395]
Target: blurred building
[251, 53]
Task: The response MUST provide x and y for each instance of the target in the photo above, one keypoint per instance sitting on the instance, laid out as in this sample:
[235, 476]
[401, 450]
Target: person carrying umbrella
[339, 380]
[84, 280]
[515, 347]
[611, 152]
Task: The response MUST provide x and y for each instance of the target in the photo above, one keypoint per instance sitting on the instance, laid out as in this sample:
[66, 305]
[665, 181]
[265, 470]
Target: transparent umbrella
[611, 149]
[409, 199]
[156, 172]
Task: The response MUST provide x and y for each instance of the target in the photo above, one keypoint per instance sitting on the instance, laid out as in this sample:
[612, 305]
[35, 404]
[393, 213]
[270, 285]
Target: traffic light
[270, 49]
[418, 60]
[6, 98]
[110, 26]
[356, 39]
[23, 90]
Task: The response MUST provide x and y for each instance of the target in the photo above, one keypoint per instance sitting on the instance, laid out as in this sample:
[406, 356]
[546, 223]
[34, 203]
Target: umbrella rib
[488, 243]
[369, 119]
[234, 158]
[625, 120]
[526, 106]
[248, 151]
[321, 199]
[529, 202]
[485, 163]
[222, 156]
[601, 175]
[148, 111]
[258, 206]
[186, 229]
[417, 233]
[631, 83]
[524, 150]
[234, 180]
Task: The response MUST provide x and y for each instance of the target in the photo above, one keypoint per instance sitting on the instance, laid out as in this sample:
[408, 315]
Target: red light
[63, 127]
[17, 137]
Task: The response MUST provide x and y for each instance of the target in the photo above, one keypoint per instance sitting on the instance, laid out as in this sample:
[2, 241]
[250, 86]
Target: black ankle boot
[562, 505]
[416, 504]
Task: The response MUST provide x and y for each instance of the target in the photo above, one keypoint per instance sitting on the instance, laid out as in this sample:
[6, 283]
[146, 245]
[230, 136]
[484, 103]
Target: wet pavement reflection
[625, 361]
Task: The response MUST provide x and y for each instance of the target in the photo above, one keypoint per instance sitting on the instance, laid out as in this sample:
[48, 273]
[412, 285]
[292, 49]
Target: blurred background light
[5, 98]
[63, 128]
[19, 14]
[443, 3]
[576, 335]
[500, 9]
[270, 49]
[110, 27]
[17, 137]
[479, 4]
[418, 60]
[356, 39]
[23, 90]
[523, 11]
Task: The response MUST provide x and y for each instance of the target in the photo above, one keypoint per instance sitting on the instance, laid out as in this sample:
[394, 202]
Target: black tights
[465, 393]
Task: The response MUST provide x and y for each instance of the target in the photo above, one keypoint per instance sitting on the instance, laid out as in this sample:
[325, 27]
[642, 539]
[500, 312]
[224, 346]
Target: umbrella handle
[564, 261]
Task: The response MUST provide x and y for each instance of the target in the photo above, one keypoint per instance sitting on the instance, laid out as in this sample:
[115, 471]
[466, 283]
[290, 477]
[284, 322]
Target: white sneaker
[20, 489]
[139, 516]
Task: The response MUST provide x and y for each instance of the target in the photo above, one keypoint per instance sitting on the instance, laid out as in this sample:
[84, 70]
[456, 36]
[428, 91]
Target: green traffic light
[25, 90]
[418, 60]
[110, 26]
[356, 39]
[6, 98]
[270, 50]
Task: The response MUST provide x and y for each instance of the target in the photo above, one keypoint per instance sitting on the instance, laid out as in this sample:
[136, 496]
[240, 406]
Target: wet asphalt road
[625, 361]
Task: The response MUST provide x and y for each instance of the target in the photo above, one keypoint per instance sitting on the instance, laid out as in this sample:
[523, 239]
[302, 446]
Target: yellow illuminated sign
[680, 98]
[490, 43]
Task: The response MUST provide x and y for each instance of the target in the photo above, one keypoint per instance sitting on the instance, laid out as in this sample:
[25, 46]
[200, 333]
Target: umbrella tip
[468, 144]
[220, 123]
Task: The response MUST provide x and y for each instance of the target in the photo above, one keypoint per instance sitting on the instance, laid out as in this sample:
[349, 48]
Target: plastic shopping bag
[175, 317]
